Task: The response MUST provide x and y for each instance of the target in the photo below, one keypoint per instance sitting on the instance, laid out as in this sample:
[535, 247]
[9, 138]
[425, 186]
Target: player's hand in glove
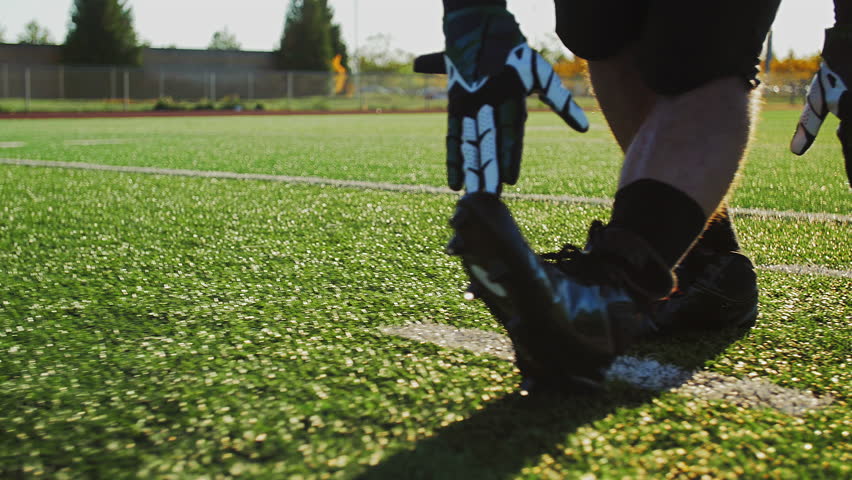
[491, 71]
[829, 92]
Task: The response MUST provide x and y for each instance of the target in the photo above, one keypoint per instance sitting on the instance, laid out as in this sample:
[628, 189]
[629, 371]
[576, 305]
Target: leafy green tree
[310, 39]
[377, 56]
[102, 33]
[337, 45]
[224, 40]
[35, 34]
[2, 34]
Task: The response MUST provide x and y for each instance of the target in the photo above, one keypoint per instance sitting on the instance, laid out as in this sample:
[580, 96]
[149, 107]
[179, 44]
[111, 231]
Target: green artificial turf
[410, 149]
[168, 327]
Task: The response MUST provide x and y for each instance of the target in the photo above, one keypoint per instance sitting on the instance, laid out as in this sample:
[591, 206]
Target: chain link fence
[45, 87]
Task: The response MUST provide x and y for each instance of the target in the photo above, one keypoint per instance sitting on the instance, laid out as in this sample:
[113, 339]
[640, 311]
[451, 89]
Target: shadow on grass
[515, 431]
[503, 438]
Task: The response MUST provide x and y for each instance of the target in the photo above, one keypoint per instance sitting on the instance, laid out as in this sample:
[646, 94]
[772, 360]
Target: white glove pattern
[479, 135]
[823, 96]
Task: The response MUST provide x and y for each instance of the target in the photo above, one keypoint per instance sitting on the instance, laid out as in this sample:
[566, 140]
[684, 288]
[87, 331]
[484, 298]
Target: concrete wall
[174, 58]
[152, 58]
[29, 54]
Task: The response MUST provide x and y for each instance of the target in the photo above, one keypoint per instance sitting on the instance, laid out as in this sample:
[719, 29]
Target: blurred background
[95, 55]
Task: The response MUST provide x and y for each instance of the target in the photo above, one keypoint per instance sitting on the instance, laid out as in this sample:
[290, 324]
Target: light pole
[357, 63]
[356, 29]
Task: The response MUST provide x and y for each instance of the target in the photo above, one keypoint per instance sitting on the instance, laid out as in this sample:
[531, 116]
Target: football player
[675, 81]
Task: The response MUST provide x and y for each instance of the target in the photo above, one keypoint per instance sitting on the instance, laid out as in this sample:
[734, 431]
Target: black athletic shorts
[680, 45]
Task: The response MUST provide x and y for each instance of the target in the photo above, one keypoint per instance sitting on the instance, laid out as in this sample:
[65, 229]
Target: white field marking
[94, 141]
[646, 374]
[12, 144]
[394, 187]
[807, 270]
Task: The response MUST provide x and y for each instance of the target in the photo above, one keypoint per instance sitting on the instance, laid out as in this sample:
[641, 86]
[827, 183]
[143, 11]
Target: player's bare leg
[693, 142]
[717, 283]
[622, 95]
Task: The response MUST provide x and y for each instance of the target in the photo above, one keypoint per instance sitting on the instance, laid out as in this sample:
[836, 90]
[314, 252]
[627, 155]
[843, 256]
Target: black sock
[719, 236]
[665, 217]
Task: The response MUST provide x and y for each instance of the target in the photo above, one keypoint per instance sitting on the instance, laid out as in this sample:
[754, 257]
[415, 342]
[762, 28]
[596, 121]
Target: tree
[571, 67]
[2, 34]
[337, 45]
[551, 48]
[377, 56]
[101, 34]
[310, 39]
[224, 40]
[792, 67]
[35, 34]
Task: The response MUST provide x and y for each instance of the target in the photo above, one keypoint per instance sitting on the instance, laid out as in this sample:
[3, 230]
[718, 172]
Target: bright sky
[415, 28]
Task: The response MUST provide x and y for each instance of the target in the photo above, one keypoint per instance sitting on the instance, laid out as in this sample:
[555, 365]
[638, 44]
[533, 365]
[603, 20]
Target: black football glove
[491, 71]
[829, 93]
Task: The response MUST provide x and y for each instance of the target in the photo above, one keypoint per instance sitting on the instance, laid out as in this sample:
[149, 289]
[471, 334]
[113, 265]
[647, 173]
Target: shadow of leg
[515, 431]
[504, 437]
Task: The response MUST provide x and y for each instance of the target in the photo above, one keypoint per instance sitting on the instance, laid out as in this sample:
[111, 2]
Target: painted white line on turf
[807, 270]
[647, 374]
[12, 144]
[94, 141]
[394, 187]
[477, 341]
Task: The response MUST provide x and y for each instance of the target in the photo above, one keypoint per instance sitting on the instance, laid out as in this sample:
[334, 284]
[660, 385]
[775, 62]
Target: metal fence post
[250, 86]
[27, 91]
[5, 80]
[126, 90]
[289, 85]
[358, 90]
[61, 82]
[426, 91]
[113, 88]
[213, 86]
[162, 85]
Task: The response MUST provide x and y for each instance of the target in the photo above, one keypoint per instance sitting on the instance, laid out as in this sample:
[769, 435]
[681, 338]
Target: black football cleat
[568, 314]
[716, 290]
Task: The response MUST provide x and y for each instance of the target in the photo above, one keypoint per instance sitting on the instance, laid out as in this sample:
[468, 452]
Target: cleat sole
[513, 284]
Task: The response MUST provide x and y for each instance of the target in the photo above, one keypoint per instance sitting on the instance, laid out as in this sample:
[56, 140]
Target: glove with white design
[829, 93]
[491, 72]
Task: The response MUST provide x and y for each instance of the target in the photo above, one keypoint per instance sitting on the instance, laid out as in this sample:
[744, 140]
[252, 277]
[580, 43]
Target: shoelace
[689, 271]
[586, 266]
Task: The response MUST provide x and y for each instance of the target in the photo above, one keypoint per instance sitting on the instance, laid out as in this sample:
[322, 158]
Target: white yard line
[646, 374]
[807, 270]
[12, 144]
[394, 187]
[793, 269]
